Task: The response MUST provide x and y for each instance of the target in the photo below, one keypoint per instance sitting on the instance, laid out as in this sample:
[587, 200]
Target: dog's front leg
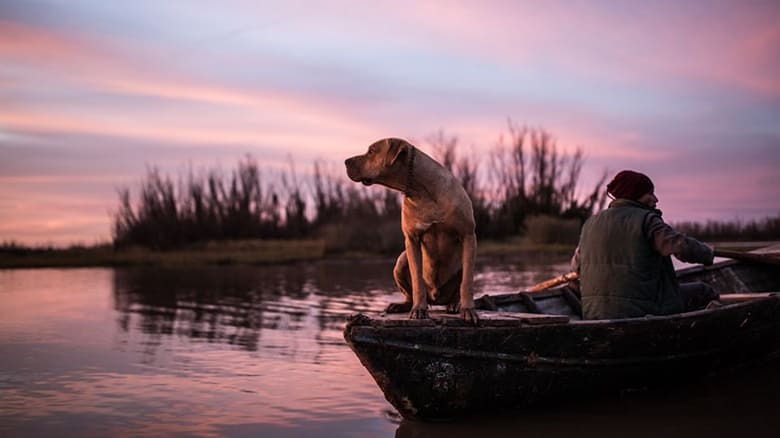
[466, 292]
[419, 294]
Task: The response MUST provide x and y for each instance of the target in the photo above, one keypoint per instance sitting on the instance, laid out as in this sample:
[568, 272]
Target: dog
[437, 221]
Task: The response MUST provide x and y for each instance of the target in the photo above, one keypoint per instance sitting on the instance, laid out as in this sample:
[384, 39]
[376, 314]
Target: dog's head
[380, 164]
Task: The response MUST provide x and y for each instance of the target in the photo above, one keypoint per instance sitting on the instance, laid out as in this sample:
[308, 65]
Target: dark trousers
[696, 295]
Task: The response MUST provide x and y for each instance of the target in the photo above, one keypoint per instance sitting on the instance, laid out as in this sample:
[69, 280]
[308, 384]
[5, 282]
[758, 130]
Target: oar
[748, 257]
[547, 284]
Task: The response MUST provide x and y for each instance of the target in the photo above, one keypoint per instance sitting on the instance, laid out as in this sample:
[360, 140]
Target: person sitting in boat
[624, 257]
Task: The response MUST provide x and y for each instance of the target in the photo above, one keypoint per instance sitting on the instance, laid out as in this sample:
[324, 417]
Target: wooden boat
[534, 347]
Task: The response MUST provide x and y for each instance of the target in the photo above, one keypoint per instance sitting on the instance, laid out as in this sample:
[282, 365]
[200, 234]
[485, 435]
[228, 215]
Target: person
[624, 257]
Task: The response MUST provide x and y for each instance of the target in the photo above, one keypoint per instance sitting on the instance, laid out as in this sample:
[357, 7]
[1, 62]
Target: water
[258, 351]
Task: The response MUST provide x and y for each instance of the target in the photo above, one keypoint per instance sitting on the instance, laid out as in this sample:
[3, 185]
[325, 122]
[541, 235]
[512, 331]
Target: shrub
[545, 229]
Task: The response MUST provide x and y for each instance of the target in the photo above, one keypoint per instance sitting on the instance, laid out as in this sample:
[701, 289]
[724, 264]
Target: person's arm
[668, 241]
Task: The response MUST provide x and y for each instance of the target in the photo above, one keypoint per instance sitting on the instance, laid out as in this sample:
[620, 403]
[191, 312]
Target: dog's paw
[469, 314]
[419, 313]
[453, 308]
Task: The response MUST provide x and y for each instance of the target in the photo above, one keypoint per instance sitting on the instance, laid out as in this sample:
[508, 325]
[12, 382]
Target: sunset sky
[94, 92]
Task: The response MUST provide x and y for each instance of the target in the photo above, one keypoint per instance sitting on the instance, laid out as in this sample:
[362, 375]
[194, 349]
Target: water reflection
[236, 305]
[219, 351]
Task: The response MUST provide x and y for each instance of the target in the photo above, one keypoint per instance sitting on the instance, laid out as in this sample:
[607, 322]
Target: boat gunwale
[361, 319]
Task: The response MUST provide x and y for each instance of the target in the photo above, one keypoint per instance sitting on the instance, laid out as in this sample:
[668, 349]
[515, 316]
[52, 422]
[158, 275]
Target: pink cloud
[29, 43]
[225, 115]
[134, 92]
[737, 44]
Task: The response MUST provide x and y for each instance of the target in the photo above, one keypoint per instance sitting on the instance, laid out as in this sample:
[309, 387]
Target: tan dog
[437, 221]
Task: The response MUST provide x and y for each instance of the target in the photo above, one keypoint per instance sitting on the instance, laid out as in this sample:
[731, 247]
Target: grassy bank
[250, 252]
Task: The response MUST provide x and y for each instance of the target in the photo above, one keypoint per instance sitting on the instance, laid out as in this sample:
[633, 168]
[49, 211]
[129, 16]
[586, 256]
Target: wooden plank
[489, 318]
[530, 303]
[489, 302]
[406, 322]
[502, 319]
[742, 297]
[771, 249]
[532, 318]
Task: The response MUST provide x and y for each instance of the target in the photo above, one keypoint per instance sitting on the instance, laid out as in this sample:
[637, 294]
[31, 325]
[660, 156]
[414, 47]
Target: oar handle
[749, 257]
[565, 278]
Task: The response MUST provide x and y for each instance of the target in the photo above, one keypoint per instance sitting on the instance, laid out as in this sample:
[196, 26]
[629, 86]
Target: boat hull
[443, 368]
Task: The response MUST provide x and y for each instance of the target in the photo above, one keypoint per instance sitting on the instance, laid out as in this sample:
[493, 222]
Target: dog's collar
[409, 170]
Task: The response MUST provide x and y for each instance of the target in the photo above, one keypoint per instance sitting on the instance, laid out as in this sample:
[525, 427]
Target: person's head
[628, 184]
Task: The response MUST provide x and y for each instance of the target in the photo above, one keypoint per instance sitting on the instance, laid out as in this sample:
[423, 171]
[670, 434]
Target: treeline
[753, 230]
[204, 207]
[524, 175]
[249, 204]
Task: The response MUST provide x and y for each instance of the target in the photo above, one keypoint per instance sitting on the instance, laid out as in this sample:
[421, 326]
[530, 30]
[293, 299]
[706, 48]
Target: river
[258, 351]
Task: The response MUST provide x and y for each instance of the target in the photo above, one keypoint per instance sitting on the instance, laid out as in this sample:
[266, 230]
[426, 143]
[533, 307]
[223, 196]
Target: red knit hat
[628, 184]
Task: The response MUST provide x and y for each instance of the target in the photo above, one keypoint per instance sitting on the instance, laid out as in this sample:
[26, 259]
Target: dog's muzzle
[353, 172]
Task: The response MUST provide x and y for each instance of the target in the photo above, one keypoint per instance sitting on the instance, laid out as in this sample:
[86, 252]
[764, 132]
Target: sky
[93, 93]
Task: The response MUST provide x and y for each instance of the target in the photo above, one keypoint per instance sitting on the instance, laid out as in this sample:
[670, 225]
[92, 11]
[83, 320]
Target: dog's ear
[395, 148]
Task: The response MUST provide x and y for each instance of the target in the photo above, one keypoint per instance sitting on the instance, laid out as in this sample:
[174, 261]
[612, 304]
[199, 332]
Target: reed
[526, 176]
[767, 228]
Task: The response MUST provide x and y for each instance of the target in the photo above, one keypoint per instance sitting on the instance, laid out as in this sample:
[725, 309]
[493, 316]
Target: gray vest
[621, 274]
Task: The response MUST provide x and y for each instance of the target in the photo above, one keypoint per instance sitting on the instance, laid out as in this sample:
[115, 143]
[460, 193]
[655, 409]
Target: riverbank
[250, 252]
[247, 252]
[263, 252]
